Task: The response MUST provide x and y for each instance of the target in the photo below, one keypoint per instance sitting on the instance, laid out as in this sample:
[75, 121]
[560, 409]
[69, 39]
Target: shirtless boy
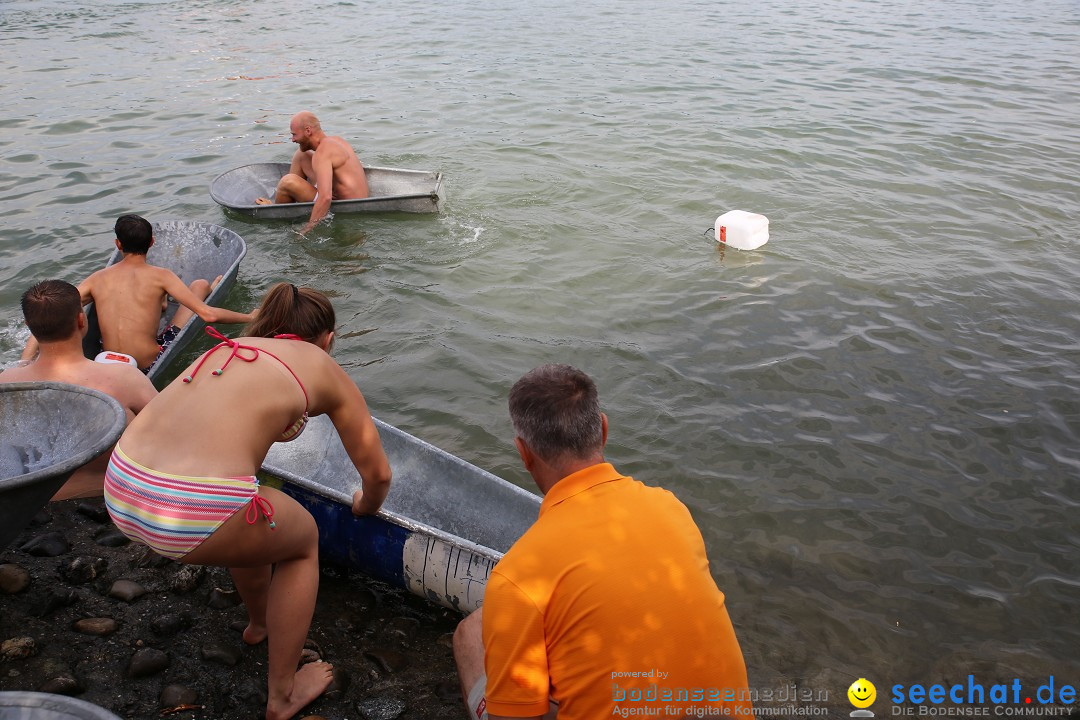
[54, 314]
[129, 297]
[322, 161]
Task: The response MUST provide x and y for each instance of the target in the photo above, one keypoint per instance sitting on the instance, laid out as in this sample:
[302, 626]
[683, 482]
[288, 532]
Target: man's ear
[603, 430]
[118, 245]
[528, 459]
[81, 322]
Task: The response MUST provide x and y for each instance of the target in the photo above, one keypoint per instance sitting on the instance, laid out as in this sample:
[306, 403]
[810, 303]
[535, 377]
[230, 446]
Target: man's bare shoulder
[337, 148]
[154, 275]
[126, 383]
[16, 373]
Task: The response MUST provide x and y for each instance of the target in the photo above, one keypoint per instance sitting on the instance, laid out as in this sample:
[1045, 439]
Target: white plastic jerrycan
[742, 230]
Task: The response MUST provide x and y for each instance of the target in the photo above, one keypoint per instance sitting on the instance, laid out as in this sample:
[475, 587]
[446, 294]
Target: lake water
[875, 418]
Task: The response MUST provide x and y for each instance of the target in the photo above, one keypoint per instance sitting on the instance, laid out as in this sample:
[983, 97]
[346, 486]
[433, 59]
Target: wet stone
[147, 662]
[308, 655]
[16, 648]
[220, 653]
[126, 590]
[42, 517]
[447, 690]
[340, 683]
[111, 537]
[170, 624]
[176, 695]
[13, 578]
[83, 569]
[95, 511]
[187, 578]
[406, 627]
[388, 660]
[95, 626]
[53, 600]
[250, 693]
[446, 640]
[381, 708]
[344, 624]
[65, 684]
[363, 599]
[150, 559]
[223, 599]
[51, 544]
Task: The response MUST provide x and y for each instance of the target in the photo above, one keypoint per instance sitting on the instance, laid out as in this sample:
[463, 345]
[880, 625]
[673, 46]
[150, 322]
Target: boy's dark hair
[135, 234]
[51, 309]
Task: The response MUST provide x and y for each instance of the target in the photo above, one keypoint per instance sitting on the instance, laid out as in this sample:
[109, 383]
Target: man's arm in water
[323, 166]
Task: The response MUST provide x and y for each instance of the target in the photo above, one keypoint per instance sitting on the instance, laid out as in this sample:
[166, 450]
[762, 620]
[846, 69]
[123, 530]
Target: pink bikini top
[295, 428]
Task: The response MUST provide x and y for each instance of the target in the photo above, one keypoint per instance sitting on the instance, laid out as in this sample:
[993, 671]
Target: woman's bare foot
[263, 201]
[310, 682]
[254, 634]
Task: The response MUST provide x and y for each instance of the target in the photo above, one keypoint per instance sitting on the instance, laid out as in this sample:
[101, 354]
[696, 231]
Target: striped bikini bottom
[174, 514]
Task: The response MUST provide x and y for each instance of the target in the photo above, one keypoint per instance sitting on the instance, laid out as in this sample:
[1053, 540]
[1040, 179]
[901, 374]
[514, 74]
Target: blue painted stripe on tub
[368, 544]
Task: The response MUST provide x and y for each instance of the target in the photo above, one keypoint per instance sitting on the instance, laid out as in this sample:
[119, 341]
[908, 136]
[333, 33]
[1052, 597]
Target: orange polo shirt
[607, 603]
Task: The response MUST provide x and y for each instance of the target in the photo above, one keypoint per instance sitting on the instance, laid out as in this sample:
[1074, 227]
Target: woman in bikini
[182, 476]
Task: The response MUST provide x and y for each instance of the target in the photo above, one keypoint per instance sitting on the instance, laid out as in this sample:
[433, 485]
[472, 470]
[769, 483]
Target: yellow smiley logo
[862, 693]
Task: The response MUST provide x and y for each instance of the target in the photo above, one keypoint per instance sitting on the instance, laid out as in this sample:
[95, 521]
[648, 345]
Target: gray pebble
[50, 544]
[95, 511]
[407, 627]
[53, 600]
[150, 559]
[177, 695]
[340, 683]
[223, 599]
[448, 691]
[387, 659]
[224, 654]
[111, 537]
[381, 708]
[126, 590]
[95, 626]
[83, 569]
[62, 685]
[13, 578]
[171, 624]
[363, 599]
[250, 692]
[187, 578]
[16, 648]
[146, 662]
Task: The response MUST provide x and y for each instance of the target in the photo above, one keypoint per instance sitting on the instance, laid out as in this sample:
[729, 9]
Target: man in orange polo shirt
[606, 605]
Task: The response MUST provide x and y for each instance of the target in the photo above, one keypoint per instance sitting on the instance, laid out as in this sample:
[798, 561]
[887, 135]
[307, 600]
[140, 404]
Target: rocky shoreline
[84, 612]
